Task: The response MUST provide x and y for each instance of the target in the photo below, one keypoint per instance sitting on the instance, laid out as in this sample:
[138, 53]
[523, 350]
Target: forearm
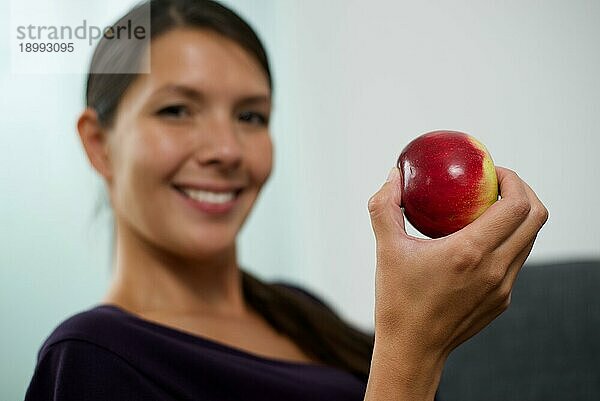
[398, 374]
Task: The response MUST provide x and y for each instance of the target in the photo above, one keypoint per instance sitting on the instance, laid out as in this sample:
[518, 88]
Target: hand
[432, 295]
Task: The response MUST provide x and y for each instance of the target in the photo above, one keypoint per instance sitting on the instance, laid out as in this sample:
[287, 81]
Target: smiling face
[187, 138]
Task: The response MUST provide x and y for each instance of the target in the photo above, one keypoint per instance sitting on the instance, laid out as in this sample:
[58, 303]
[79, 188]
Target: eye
[252, 117]
[174, 111]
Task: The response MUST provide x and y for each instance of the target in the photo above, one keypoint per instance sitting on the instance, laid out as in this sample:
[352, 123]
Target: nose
[220, 145]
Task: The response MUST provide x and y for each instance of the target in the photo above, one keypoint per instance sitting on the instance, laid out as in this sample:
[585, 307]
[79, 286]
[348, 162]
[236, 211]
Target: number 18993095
[46, 47]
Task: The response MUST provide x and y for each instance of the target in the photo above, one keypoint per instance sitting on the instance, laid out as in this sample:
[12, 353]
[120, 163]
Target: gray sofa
[545, 347]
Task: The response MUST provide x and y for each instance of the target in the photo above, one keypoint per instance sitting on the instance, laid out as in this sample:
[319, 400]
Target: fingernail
[392, 174]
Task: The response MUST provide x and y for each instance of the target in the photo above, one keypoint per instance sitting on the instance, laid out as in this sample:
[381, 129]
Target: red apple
[448, 180]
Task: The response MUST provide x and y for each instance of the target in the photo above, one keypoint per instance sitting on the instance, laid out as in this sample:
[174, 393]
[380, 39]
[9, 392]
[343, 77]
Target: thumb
[386, 215]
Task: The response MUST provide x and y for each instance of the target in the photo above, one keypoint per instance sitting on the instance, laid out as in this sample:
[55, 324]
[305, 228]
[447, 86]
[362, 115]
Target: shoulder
[91, 326]
[72, 369]
[85, 357]
[103, 327]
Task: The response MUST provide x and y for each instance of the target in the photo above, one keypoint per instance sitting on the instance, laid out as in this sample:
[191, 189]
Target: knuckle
[375, 203]
[469, 254]
[502, 307]
[506, 301]
[541, 215]
[521, 208]
[513, 174]
[494, 278]
[504, 292]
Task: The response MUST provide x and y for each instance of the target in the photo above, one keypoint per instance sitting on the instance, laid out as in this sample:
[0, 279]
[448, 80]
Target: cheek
[144, 162]
[157, 154]
[262, 159]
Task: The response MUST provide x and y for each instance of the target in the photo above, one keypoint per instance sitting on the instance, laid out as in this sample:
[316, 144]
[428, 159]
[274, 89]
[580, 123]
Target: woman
[184, 152]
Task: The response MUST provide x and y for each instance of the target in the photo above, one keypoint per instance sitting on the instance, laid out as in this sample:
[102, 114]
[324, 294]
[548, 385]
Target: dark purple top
[106, 353]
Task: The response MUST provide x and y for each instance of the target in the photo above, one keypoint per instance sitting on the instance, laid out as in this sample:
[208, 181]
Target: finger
[503, 217]
[491, 303]
[386, 215]
[516, 265]
[524, 236]
[539, 212]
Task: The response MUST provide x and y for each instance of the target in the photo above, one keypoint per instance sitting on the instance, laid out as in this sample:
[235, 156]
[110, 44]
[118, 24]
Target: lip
[207, 207]
[212, 187]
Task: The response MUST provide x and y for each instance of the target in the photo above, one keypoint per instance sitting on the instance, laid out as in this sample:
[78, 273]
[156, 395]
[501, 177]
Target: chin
[209, 246]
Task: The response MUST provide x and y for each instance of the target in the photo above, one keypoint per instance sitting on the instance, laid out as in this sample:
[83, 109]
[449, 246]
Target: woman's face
[190, 148]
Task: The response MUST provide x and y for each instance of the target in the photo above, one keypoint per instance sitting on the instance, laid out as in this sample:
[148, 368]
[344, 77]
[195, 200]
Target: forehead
[206, 61]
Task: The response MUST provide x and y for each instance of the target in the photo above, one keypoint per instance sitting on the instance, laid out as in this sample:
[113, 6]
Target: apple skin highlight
[448, 180]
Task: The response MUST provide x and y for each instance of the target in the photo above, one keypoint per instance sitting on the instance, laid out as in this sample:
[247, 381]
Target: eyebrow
[196, 95]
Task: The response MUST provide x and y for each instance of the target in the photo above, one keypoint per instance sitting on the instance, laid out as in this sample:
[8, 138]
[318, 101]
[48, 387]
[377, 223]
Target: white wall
[354, 81]
[364, 78]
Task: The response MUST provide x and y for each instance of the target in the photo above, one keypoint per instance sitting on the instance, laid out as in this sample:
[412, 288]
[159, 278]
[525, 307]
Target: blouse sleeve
[75, 370]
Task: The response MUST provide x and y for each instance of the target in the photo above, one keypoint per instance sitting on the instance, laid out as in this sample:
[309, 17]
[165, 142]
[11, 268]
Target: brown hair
[309, 322]
[313, 326]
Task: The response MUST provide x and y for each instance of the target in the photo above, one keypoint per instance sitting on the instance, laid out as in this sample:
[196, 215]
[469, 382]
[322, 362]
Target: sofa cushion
[545, 347]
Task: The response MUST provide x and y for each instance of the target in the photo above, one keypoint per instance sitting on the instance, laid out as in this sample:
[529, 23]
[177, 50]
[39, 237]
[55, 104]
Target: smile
[208, 196]
[209, 201]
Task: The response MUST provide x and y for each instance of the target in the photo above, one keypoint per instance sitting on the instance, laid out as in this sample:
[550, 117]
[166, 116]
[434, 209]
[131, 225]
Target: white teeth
[207, 196]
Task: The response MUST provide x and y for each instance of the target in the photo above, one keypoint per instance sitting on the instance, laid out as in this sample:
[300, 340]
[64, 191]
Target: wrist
[401, 371]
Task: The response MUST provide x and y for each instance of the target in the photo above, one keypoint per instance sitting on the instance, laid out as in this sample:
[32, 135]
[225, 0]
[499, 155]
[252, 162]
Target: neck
[148, 279]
